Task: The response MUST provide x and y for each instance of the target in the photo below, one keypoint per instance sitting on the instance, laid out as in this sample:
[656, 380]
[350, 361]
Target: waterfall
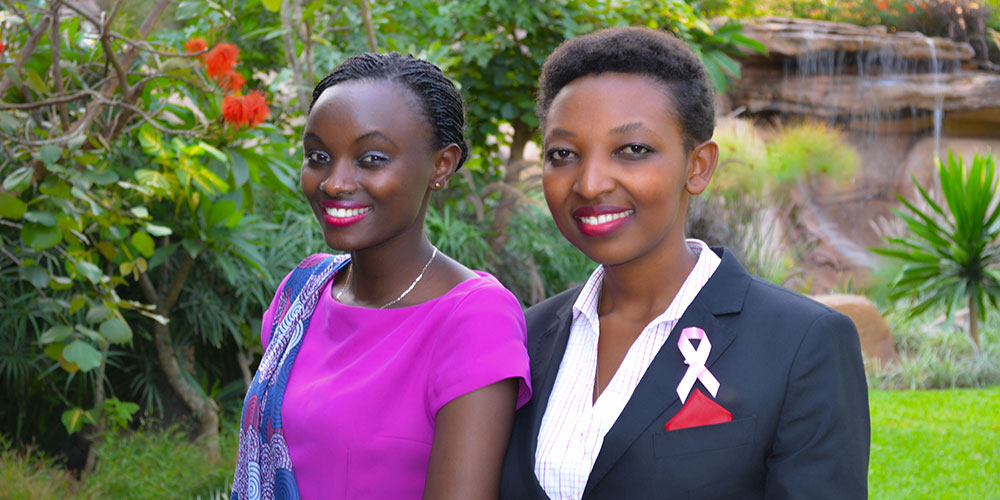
[938, 99]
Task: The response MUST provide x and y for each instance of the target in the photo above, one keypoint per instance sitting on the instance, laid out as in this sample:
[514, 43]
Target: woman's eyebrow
[623, 129]
[375, 133]
[311, 136]
[560, 132]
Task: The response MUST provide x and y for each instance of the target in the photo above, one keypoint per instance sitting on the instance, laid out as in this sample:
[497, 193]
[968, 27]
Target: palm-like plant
[952, 256]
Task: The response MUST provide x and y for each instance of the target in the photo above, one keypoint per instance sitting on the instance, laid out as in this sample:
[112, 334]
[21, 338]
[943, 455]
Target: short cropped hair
[441, 102]
[640, 51]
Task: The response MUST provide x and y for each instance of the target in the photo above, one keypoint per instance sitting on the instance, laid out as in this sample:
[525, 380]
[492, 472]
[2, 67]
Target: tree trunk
[204, 408]
[98, 432]
[510, 196]
[974, 322]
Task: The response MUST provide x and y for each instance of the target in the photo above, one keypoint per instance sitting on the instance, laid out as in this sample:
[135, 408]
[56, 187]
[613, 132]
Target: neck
[381, 274]
[644, 287]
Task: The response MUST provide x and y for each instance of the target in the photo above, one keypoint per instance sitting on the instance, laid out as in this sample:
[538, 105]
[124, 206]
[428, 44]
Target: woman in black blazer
[672, 373]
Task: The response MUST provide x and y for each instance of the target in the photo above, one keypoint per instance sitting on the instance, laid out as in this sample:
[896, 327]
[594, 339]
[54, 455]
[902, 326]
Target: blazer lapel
[545, 351]
[656, 392]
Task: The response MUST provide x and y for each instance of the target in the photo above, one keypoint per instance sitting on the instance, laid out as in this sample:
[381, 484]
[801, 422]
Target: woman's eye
[559, 155]
[373, 159]
[317, 157]
[635, 151]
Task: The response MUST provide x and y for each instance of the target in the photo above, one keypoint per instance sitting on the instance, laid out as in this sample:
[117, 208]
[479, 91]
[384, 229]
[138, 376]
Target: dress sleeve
[483, 342]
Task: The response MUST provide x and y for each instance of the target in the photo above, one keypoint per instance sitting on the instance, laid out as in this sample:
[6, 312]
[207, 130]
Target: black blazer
[791, 375]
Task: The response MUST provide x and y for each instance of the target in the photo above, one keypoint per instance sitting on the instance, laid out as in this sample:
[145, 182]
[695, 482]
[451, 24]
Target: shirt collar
[586, 302]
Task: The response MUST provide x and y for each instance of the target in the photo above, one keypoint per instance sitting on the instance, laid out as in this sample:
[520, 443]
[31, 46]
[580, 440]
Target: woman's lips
[344, 214]
[601, 220]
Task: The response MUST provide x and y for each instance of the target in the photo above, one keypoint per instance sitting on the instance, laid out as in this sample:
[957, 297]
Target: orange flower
[221, 59]
[195, 45]
[240, 110]
[256, 106]
[232, 81]
[909, 8]
[882, 5]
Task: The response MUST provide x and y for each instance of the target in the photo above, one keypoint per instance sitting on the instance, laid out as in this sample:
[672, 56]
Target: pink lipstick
[601, 220]
[344, 213]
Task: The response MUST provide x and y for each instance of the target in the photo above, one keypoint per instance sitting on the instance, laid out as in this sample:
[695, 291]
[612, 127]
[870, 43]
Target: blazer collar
[723, 294]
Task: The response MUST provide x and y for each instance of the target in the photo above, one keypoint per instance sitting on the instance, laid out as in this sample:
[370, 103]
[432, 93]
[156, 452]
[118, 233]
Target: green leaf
[40, 237]
[41, 217]
[272, 5]
[140, 212]
[35, 82]
[150, 141]
[11, 207]
[56, 333]
[157, 230]
[220, 211]
[213, 151]
[89, 271]
[102, 177]
[74, 419]
[49, 154]
[193, 246]
[116, 331]
[54, 351]
[35, 274]
[83, 354]
[97, 313]
[60, 283]
[143, 243]
[241, 169]
[18, 179]
[161, 254]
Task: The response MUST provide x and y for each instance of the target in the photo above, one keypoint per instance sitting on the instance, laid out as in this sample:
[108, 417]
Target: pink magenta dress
[359, 408]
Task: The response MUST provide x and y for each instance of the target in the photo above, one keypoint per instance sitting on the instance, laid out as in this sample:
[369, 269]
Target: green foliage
[934, 353]
[925, 444]
[753, 183]
[951, 258]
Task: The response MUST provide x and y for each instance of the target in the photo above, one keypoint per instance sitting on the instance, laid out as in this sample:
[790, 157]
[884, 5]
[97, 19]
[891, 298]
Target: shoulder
[547, 309]
[482, 292]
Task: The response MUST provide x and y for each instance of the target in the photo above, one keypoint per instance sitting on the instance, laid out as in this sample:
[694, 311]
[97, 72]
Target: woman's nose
[594, 179]
[340, 179]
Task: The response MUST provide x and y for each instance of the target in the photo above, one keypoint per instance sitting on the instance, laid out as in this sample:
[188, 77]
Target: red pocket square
[699, 410]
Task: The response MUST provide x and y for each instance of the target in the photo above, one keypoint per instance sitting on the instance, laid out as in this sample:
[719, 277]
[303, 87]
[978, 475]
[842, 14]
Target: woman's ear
[701, 165]
[445, 163]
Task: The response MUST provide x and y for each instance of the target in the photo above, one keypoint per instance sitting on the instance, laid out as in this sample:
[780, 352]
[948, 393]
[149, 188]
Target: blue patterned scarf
[264, 466]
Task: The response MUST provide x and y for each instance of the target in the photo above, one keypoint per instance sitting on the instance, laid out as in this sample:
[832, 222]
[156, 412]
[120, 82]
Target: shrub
[951, 258]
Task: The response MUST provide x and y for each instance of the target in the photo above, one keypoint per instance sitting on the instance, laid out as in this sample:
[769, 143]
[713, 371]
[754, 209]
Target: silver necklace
[420, 276]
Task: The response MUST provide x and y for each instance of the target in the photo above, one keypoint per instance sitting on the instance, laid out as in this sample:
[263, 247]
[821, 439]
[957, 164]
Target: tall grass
[144, 464]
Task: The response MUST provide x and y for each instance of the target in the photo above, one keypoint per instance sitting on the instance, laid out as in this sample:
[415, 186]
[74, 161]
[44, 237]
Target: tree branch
[55, 40]
[178, 284]
[58, 99]
[148, 290]
[26, 51]
[366, 13]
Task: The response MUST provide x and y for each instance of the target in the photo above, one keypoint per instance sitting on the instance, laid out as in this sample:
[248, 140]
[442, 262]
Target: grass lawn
[935, 444]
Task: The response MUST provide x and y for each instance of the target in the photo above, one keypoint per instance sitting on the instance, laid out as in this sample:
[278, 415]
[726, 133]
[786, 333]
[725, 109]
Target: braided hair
[441, 102]
[642, 51]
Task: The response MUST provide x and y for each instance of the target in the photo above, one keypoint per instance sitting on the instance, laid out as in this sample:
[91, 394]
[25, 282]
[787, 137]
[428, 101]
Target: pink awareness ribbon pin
[695, 359]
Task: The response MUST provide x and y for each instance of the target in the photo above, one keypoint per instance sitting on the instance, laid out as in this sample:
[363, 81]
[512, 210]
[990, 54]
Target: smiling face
[369, 165]
[617, 176]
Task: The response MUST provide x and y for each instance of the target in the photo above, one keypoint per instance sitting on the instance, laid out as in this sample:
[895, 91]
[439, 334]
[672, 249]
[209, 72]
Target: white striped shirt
[574, 426]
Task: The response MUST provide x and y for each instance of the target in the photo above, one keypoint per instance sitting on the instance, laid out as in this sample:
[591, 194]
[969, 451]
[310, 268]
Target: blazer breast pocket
[705, 438]
[709, 454]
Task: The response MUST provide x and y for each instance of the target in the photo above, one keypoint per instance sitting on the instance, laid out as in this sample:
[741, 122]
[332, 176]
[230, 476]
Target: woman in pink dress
[391, 371]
